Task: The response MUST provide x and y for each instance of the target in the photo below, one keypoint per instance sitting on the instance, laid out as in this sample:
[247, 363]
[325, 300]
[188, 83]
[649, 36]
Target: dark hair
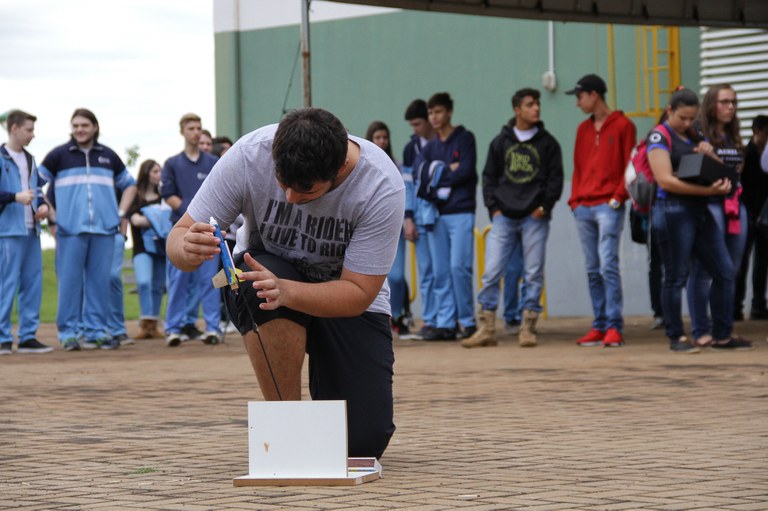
[18, 118]
[218, 145]
[680, 98]
[518, 97]
[416, 110]
[708, 118]
[440, 99]
[759, 123]
[84, 112]
[378, 126]
[310, 145]
[143, 183]
[208, 133]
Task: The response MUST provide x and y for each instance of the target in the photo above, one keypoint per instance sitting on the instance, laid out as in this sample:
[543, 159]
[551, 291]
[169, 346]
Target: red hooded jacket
[600, 159]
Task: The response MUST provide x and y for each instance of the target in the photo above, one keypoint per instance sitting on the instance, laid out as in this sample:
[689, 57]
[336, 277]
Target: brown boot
[527, 335]
[143, 332]
[154, 330]
[486, 331]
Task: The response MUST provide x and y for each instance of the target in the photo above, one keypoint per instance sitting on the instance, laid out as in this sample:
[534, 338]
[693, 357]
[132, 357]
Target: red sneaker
[593, 338]
[613, 339]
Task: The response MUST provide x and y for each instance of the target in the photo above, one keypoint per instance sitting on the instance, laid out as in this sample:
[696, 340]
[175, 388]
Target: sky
[139, 65]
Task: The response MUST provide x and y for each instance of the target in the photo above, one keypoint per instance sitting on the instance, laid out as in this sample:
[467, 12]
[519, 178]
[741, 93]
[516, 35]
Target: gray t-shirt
[356, 225]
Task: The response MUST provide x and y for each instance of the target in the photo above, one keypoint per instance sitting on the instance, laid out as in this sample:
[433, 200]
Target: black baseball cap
[589, 83]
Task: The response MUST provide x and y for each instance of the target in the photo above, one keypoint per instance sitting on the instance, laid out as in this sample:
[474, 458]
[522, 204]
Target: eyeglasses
[728, 102]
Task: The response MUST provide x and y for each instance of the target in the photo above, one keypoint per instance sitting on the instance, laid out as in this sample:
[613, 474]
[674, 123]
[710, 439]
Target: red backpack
[639, 177]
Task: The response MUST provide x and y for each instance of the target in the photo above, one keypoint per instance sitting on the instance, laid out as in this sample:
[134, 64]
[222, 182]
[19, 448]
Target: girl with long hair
[148, 262]
[718, 124]
[683, 225]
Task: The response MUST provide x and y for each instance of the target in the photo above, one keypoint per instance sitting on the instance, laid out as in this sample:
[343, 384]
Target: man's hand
[409, 227]
[26, 197]
[42, 212]
[267, 284]
[539, 213]
[200, 244]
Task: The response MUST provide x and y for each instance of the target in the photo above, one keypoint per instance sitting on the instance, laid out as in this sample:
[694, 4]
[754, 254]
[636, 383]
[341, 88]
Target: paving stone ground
[556, 427]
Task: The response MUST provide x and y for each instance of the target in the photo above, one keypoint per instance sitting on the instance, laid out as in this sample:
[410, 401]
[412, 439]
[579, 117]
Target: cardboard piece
[302, 443]
[702, 169]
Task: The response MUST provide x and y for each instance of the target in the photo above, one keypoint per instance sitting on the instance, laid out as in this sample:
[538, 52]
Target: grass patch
[144, 470]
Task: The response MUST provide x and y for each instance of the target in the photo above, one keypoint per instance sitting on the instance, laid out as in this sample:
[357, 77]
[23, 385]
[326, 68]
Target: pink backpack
[639, 177]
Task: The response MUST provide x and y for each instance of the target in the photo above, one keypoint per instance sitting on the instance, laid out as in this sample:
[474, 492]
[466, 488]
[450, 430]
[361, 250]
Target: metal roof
[713, 13]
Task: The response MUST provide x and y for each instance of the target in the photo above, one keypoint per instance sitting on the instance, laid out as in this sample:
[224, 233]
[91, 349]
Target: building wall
[370, 67]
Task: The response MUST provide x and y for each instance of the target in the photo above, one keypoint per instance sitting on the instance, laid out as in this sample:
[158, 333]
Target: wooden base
[359, 471]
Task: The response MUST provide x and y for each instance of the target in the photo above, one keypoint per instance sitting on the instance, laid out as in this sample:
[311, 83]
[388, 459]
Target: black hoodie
[521, 176]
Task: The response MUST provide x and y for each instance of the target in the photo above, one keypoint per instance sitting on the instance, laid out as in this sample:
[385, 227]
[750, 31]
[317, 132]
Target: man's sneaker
[33, 346]
[111, 343]
[468, 332]
[6, 348]
[733, 344]
[758, 314]
[682, 346]
[512, 327]
[70, 345]
[593, 338]
[658, 323]
[211, 338]
[191, 332]
[441, 334]
[90, 344]
[613, 339]
[124, 340]
[172, 340]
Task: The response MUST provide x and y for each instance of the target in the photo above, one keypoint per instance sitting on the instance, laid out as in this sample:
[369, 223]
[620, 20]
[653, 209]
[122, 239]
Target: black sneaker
[123, 339]
[211, 338]
[738, 316]
[758, 314]
[682, 346]
[109, 344]
[441, 334]
[733, 344]
[190, 332]
[33, 346]
[6, 348]
[467, 332]
[70, 344]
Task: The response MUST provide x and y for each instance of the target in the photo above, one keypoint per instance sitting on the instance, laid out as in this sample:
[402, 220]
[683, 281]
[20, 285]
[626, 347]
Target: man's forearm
[333, 299]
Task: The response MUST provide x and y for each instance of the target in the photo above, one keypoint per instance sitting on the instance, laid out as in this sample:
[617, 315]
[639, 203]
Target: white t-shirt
[355, 226]
[21, 161]
[525, 135]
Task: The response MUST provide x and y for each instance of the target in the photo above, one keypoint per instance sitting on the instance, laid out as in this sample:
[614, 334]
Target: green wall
[372, 67]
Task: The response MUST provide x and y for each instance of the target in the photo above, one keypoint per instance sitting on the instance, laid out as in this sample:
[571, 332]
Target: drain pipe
[548, 79]
[305, 61]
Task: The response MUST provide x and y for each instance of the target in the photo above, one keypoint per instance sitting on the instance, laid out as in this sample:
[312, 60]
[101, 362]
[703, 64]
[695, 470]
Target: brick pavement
[557, 427]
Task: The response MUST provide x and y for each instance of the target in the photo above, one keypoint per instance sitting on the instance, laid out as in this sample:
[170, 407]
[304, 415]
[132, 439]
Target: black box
[701, 169]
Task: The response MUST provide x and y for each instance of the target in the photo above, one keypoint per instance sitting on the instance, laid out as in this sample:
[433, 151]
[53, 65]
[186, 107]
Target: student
[378, 133]
[416, 224]
[21, 209]
[148, 258]
[323, 211]
[86, 176]
[755, 182]
[522, 181]
[683, 225]
[719, 125]
[180, 180]
[601, 152]
[448, 179]
[206, 141]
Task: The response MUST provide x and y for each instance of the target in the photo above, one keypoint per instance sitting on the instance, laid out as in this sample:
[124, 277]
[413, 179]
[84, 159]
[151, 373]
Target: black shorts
[349, 358]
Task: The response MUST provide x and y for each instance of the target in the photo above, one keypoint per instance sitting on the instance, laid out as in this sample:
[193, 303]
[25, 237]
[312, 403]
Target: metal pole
[305, 61]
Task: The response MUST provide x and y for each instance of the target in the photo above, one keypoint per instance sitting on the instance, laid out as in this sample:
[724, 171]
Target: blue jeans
[21, 261]
[150, 279]
[396, 279]
[116, 322]
[698, 289]
[179, 283]
[83, 268]
[505, 236]
[426, 278]
[685, 229]
[451, 245]
[600, 232]
[513, 306]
